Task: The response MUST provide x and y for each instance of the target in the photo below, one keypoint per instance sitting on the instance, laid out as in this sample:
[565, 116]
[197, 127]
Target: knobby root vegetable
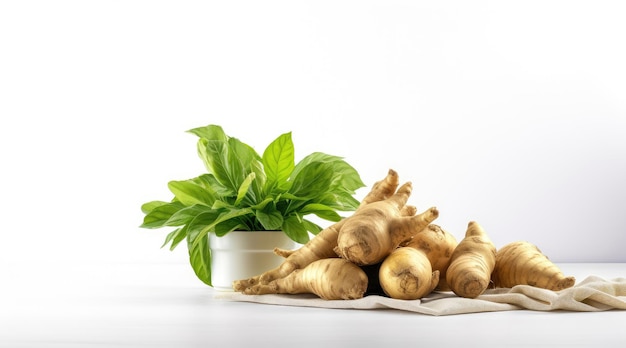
[377, 229]
[406, 274]
[438, 245]
[330, 279]
[323, 244]
[472, 262]
[522, 262]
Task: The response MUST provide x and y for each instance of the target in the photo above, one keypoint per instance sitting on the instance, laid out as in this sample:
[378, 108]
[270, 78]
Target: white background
[512, 114]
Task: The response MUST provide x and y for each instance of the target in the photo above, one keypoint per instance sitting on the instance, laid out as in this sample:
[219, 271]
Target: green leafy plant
[243, 190]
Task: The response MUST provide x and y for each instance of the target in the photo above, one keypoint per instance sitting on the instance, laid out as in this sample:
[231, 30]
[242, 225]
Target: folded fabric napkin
[592, 294]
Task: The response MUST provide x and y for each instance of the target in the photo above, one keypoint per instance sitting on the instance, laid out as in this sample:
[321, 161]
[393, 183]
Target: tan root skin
[377, 229]
[472, 262]
[522, 263]
[323, 244]
[330, 279]
[406, 274]
[438, 245]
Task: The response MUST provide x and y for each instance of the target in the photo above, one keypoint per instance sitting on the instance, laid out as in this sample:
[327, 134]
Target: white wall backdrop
[512, 114]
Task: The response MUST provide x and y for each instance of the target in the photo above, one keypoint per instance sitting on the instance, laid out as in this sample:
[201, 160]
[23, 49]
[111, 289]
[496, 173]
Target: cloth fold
[591, 295]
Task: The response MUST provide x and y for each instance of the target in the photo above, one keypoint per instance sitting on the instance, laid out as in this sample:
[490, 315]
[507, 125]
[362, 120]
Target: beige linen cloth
[590, 295]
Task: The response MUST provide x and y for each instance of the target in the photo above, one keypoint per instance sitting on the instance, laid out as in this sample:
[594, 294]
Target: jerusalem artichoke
[472, 262]
[330, 279]
[438, 246]
[375, 230]
[406, 274]
[523, 263]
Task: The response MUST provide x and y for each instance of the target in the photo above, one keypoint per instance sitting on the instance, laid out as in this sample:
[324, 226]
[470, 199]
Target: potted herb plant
[246, 204]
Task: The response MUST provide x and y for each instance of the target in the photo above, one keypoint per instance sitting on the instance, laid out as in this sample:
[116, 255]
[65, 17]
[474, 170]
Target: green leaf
[294, 228]
[312, 158]
[262, 204]
[214, 153]
[292, 197]
[211, 185]
[186, 215]
[278, 161]
[340, 200]
[220, 205]
[212, 149]
[311, 227]
[228, 226]
[344, 175]
[198, 245]
[159, 216]
[243, 189]
[210, 132]
[146, 208]
[190, 193]
[270, 218]
[312, 180]
[242, 161]
[230, 162]
[202, 221]
[258, 185]
[241, 156]
[179, 237]
[223, 216]
[321, 210]
[200, 258]
[175, 237]
[170, 236]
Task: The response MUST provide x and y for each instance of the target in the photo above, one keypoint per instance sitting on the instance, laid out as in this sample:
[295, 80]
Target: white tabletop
[164, 305]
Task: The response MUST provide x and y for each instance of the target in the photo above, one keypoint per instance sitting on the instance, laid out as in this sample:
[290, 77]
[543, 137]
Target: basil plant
[243, 190]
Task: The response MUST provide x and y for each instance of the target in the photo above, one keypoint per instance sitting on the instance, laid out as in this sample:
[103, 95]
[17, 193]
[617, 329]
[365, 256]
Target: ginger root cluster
[387, 247]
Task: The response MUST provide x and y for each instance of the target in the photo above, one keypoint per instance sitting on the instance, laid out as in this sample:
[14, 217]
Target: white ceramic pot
[244, 254]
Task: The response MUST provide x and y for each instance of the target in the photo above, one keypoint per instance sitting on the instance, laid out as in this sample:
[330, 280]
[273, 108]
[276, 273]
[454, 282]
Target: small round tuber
[406, 274]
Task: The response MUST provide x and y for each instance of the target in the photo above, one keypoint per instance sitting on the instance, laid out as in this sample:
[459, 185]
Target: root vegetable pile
[387, 248]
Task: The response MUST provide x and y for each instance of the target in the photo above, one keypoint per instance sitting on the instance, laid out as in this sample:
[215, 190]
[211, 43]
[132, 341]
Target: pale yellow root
[438, 245]
[323, 244]
[472, 262]
[406, 274]
[330, 279]
[522, 263]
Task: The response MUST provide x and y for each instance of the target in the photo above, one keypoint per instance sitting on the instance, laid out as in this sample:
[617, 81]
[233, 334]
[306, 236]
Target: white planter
[244, 254]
